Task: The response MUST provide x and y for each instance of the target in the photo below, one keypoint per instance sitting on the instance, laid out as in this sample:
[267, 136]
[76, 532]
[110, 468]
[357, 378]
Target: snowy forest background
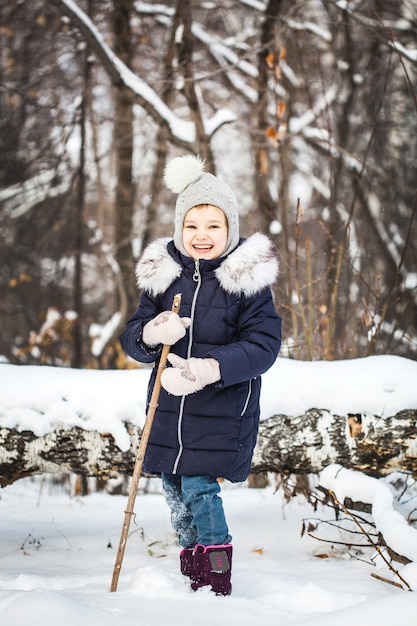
[307, 109]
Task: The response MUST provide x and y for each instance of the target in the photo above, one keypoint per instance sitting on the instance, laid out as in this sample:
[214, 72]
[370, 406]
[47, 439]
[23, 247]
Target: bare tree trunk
[123, 140]
[185, 59]
[162, 140]
[265, 202]
[77, 353]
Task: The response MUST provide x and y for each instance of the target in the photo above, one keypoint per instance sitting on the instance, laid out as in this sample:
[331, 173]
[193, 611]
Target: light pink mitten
[166, 328]
[189, 375]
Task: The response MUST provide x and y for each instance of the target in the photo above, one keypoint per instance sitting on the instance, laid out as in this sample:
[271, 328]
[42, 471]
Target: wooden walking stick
[140, 455]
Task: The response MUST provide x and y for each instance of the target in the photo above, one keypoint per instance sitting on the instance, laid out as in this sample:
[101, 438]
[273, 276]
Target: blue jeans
[197, 514]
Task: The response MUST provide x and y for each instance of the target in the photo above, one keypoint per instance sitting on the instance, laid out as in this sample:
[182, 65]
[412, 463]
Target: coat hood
[249, 269]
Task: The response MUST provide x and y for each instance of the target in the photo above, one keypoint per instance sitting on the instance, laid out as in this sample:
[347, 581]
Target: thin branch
[374, 544]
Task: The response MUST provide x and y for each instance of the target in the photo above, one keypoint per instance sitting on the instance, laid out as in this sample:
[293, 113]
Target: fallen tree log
[304, 444]
[307, 443]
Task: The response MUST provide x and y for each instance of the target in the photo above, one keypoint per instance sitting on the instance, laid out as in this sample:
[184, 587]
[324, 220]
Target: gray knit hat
[186, 176]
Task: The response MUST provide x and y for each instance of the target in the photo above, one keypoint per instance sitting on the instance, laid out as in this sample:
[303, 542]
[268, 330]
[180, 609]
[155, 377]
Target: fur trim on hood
[250, 268]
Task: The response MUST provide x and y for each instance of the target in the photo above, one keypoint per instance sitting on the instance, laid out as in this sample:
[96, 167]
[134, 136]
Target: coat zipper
[197, 279]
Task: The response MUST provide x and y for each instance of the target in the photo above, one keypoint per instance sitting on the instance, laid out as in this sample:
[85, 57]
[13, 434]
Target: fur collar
[251, 267]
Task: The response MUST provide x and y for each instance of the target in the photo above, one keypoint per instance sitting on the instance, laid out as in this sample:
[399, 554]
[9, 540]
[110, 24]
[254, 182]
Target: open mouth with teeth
[207, 247]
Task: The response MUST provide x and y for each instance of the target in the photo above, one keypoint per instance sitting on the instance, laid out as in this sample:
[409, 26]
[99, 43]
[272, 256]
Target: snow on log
[89, 422]
[296, 445]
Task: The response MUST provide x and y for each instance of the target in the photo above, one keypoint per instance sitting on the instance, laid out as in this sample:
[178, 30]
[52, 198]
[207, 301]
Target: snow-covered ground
[57, 551]
[56, 566]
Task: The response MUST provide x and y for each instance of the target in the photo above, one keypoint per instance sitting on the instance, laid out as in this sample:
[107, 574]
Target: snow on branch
[347, 483]
[402, 25]
[226, 58]
[181, 130]
[220, 48]
[154, 8]
[322, 33]
[297, 125]
[20, 198]
[214, 44]
[255, 4]
[411, 55]
[397, 533]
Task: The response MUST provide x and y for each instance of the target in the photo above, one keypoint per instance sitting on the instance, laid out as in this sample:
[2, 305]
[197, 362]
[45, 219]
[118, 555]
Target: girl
[227, 334]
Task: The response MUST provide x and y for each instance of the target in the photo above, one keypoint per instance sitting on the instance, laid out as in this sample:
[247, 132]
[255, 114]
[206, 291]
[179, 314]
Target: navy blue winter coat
[212, 432]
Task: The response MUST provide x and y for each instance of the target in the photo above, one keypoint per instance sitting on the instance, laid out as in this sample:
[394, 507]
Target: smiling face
[204, 232]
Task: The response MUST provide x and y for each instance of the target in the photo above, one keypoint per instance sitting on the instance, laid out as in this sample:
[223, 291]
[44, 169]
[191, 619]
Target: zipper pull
[196, 275]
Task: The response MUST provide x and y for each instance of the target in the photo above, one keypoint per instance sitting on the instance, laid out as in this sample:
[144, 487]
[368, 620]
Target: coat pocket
[246, 398]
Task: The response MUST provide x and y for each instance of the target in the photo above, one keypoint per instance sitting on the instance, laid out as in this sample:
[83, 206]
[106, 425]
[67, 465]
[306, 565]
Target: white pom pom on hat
[182, 171]
[186, 176]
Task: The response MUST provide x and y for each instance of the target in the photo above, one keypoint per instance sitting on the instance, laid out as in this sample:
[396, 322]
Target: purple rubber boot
[186, 561]
[212, 565]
